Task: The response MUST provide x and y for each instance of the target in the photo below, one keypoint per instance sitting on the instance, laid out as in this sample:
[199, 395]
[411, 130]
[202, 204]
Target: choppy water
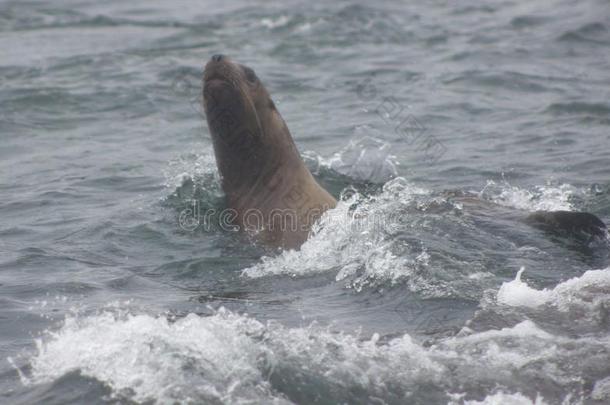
[105, 298]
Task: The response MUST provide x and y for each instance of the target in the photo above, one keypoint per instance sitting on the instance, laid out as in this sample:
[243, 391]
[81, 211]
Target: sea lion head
[261, 170]
[247, 131]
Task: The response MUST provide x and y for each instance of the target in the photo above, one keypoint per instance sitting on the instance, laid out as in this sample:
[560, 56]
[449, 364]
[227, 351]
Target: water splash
[540, 198]
[588, 291]
[197, 167]
[365, 158]
[355, 240]
[232, 358]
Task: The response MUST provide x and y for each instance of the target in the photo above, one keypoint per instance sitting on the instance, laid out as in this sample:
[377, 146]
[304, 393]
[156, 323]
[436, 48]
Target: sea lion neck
[250, 138]
[252, 165]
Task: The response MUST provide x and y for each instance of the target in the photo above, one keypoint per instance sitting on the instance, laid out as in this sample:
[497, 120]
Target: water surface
[445, 123]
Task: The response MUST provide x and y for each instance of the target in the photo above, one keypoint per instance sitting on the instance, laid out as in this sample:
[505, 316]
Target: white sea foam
[150, 358]
[197, 165]
[501, 398]
[231, 358]
[601, 390]
[541, 198]
[224, 358]
[278, 22]
[590, 289]
[518, 293]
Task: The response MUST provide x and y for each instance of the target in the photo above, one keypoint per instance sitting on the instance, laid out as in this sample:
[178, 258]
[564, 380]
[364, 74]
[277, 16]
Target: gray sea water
[446, 122]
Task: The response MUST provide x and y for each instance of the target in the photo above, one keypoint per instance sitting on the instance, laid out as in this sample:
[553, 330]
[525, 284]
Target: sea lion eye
[250, 75]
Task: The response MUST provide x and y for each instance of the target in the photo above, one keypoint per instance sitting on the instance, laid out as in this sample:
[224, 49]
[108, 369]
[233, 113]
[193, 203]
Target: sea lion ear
[249, 73]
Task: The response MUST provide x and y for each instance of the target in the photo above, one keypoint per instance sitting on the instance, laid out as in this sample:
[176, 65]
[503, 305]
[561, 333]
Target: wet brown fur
[274, 196]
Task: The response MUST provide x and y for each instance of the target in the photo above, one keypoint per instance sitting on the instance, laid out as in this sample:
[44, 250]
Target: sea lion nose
[218, 57]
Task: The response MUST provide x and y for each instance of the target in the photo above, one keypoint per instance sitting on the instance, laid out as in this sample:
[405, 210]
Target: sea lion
[270, 191]
[579, 226]
[582, 226]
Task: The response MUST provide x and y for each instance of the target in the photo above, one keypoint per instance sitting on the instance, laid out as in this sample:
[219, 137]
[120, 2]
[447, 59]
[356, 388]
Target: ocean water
[439, 125]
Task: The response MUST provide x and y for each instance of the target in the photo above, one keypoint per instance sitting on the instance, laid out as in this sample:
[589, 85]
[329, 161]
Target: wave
[232, 358]
[595, 109]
